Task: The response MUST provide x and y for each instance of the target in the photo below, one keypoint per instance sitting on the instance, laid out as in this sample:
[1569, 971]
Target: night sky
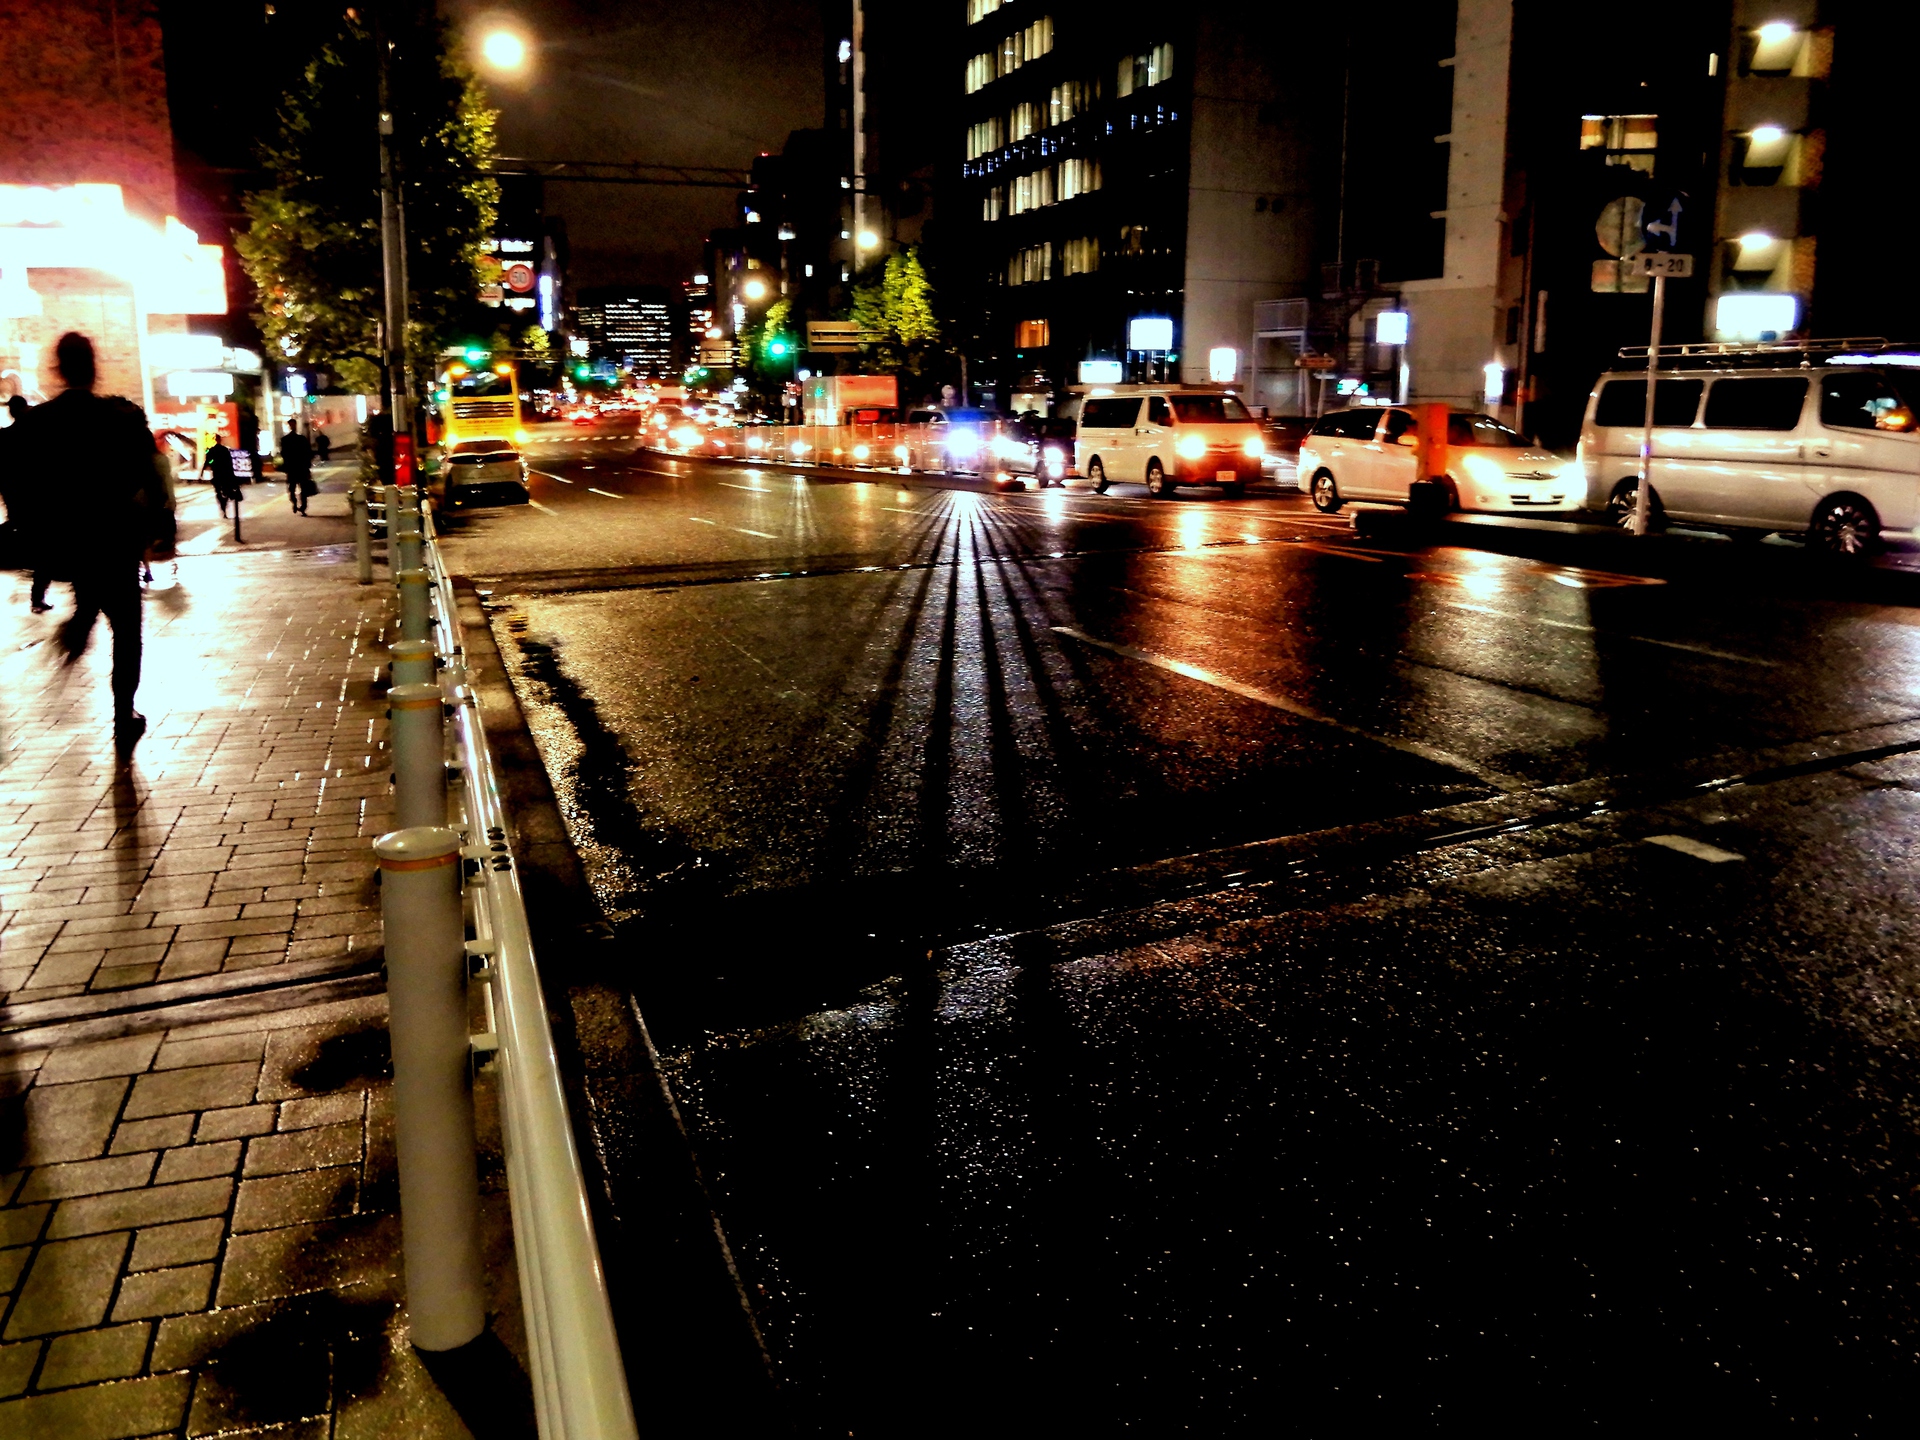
[642, 80]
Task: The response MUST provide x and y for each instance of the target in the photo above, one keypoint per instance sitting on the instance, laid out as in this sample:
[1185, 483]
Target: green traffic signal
[478, 357]
[778, 347]
[581, 372]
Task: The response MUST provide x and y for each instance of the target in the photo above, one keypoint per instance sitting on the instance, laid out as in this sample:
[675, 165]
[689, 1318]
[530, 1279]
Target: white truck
[850, 400]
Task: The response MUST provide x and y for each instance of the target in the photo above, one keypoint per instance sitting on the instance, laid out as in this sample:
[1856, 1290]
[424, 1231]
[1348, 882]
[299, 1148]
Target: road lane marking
[547, 509]
[702, 520]
[1613, 634]
[1430, 753]
[545, 476]
[756, 489]
[608, 493]
[1319, 549]
[761, 533]
[1696, 849]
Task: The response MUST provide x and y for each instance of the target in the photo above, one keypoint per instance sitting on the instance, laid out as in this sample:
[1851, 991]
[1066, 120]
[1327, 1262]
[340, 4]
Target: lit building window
[1069, 99]
[1016, 50]
[1077, 177]
[1080, 256]
[1030, 192]
[985, 137]
[994, 203]
[1150, 67]
[978, 10]
[1024, 120]
[1032, 335]
[1031, 265]
[1628, 140]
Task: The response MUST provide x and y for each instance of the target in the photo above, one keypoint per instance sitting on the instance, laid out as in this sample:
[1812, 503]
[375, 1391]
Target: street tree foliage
[895, 301]
[766, 368]
[312, 248]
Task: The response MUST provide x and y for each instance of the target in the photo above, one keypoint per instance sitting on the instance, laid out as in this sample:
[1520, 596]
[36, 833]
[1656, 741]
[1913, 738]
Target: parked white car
[1166, 436]
[1373, 454]
[1829, 448]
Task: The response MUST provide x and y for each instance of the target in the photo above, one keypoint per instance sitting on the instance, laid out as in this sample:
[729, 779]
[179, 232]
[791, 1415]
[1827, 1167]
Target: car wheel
[1844, 525]
[1097, 475]
[1625, 496]
[1326, 494]
[1158, 485]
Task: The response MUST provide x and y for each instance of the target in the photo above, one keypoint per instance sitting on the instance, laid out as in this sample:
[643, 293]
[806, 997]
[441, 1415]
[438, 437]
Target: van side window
[1763, 402]
[1326, 425]
[1115, 412]
[1157, 411]
[1398, 423]
[1359, 424]
[1624, 402]
[1862, 402]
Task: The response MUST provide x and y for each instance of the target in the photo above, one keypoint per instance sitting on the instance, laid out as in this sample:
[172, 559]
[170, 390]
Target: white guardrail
[579, 1379]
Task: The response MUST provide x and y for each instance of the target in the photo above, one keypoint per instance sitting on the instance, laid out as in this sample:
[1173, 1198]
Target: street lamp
[754, 289]
[504, 50]
[869, 240]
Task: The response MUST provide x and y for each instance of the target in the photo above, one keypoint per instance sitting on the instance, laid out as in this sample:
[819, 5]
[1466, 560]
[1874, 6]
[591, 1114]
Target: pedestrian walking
[296, 459]
[322, 446]
[22, 490]
[97, 522]
[219, 464]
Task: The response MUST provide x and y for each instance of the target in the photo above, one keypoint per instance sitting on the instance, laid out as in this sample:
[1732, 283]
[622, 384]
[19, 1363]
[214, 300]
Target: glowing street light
[869, 240]
[504, 50]
[754, 289]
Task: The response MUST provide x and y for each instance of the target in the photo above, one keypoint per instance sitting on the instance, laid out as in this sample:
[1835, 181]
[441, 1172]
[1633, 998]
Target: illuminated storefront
[72, 257]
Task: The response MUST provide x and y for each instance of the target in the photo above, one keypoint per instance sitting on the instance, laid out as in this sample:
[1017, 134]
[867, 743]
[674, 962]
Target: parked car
[1167, 436]
[1821, 442]
[1373, 454]
[481, 472]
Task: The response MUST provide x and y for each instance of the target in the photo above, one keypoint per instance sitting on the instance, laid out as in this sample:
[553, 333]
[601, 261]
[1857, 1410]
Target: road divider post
[416, 728]
[416, 615]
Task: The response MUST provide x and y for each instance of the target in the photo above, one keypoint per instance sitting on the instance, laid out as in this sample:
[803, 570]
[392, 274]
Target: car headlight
[861, 452]
[1253, 447]
[963, 442]
[1190, 447]
[754, 442]
[799, 447]
[901, 453]
[1008, 448]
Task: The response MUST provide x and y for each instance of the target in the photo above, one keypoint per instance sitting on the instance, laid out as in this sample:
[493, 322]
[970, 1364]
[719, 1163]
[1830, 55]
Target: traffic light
[478, 356]
[580, 372]
[777, 348]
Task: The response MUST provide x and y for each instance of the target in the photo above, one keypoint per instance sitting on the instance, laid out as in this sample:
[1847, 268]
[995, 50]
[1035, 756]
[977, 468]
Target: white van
[1752, 440]
[1166, 436]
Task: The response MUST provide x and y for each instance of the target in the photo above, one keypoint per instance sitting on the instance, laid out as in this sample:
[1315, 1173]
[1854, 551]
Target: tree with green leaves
[895, 301]
[312, 247]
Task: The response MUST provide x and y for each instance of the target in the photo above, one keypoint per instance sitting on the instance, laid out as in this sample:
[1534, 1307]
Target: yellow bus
[483, 403]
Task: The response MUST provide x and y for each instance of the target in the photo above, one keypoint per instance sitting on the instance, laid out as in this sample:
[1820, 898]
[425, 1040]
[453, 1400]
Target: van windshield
[1482, 430]
[1209, 409]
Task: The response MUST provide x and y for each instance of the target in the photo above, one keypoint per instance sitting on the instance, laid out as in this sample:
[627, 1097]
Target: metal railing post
[414, 662]
[408, 550]
[362, 532]
[417, 733]
[416, 618]
[432, 1085]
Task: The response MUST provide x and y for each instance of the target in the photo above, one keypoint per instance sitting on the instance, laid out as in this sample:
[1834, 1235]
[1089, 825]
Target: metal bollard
[416, 615]
[413, 662]
[432, 1085]
[362, 532]
[409, 549]
[417, 731]
[402, 517]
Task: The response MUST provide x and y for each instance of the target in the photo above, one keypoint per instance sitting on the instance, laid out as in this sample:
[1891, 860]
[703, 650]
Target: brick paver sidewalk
[197, 1192]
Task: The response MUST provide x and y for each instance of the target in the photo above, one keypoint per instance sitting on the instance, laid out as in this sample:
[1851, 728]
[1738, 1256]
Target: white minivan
[1166, 436]
[1750, 443]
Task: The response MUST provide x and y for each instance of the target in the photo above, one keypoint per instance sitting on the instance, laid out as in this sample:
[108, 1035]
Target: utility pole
[859, 127]
[1660, 265]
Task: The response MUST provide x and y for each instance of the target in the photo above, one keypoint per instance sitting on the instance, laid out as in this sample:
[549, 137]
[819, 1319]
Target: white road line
[1320, 549]
[1426, 752]
[1612, 634]
[1695, 849]
[545, 476]
[702, 520]
[608, 493]
[898, 511]
[761, 533]
[544, 509]
[756, 489]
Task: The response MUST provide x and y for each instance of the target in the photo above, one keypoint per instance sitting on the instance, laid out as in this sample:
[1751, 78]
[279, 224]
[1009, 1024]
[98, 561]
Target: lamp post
[393, 338]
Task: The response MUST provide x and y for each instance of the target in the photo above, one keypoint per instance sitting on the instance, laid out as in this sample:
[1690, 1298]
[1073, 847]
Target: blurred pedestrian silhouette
[322, 447]
[296, 458]
[22, 490]
[226, 487]
[104, 500]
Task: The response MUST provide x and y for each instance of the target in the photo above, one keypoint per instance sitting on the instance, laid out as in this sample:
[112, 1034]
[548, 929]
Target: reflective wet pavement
[1180, 966]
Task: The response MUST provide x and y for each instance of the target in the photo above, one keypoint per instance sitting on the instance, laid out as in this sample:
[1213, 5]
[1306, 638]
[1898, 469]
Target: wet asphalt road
[1182, 967]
